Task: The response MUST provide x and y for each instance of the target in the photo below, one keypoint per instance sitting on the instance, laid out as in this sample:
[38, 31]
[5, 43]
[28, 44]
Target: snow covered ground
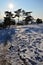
[24, 45]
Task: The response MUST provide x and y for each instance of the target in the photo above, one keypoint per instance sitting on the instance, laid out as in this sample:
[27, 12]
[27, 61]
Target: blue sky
[36, 6]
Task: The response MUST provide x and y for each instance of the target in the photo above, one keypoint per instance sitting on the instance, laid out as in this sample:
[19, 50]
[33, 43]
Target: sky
[36, 6]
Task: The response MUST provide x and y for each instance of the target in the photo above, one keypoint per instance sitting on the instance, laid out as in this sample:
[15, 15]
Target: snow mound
[22, 45]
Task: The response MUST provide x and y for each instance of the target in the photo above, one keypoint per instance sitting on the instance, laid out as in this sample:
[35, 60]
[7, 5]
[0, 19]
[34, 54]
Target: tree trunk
[18, 19]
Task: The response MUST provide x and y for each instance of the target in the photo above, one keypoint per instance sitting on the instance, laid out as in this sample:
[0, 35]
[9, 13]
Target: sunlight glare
[11, 6]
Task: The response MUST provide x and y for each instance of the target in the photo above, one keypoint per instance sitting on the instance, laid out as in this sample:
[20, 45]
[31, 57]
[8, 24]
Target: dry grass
[4, 50]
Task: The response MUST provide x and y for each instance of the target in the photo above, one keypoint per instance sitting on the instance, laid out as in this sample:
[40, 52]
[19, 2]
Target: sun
[11, 6]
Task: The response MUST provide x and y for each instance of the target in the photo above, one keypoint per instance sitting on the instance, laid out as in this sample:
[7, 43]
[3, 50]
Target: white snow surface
[28, 39]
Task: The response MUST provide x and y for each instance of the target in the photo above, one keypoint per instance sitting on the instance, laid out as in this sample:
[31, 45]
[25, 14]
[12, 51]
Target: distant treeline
[9, 18]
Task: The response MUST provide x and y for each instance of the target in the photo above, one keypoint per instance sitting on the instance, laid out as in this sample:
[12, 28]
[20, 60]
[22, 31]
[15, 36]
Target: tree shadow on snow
[6, 35]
